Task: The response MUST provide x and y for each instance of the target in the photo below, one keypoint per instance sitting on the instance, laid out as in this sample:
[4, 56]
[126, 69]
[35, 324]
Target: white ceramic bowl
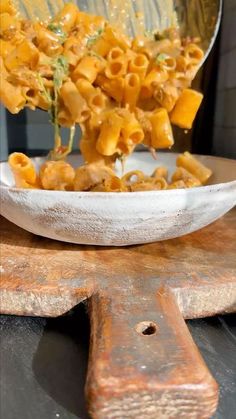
[119, 219]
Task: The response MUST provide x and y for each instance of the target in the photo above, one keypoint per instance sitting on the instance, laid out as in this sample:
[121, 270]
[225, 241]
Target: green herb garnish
[43, 89]
[91, 39]
[148, 34]
[57, 29]
[61, 68]
[161, 58]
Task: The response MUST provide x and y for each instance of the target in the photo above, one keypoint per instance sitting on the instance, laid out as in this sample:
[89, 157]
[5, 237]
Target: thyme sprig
[60, 71]
[58, 30]
[91, 39]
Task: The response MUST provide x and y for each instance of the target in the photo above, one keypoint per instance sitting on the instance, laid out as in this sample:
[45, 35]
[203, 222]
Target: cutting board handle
[143, 360]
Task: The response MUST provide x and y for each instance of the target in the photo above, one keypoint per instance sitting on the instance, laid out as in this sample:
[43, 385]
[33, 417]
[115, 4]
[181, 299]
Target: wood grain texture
[158, 375]
[148, 376]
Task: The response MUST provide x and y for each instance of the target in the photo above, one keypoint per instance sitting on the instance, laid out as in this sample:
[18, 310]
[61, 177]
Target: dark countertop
[43, 364]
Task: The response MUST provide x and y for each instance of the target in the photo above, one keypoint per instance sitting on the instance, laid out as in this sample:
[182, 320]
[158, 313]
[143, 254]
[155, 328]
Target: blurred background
[214, 131]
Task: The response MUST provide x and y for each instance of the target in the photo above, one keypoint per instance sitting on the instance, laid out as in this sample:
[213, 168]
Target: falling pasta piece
[186, 109]
[161, 135]
[194, 166]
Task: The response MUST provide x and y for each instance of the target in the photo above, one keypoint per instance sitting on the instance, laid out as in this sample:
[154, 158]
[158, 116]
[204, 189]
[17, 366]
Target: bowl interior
[224, 170]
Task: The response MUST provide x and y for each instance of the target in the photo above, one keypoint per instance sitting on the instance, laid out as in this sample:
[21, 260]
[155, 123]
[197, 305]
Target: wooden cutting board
[143, 361]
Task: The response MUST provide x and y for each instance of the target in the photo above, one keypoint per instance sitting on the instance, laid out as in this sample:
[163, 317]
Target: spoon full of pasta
[125, 79]
[198, 19]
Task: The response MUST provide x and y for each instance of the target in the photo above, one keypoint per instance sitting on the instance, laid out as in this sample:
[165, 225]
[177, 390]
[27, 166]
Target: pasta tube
[116, 38]
[8, 24]
[73, 101]
[85, 88]
[49, 42]
[153, 79]
[160, 182]
[97, 101]
[193, 54]
[109, 135]
[161, 135]
[5, 48]
[179, 184]
[137, 181]
[88, 21]
[88, 150]
[166, 96]
[25, 53]
[91, 175]
[135, 176]
[139, 64]
[6, 6]
[88, 146]
[57, 176]
[114, 88]
[115, 53]
[65, 119]
[116, 68]
[11, 96]
[88, 68]
[160, 172]
[167, 62]
[192, 165]
[181, 64]
[132, 132]
[67, 17]
[101, 47]
[31, 96]
[183, 174]
[186, 108]
[131, 89]
[114, 184]
[148, 185]
[23, 170]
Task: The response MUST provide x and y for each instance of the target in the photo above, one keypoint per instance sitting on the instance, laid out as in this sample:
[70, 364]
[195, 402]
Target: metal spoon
[195, 18]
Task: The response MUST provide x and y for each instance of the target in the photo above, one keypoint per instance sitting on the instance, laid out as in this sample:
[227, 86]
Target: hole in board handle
[146, 328]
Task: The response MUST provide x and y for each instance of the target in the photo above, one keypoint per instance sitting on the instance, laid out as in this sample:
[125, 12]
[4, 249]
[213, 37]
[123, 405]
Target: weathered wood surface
[143, 361]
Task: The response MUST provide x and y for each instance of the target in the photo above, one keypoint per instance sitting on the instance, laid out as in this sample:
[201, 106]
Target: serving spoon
[195, 18]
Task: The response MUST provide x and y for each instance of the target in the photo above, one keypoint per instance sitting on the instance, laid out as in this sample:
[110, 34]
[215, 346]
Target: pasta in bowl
[124, 218]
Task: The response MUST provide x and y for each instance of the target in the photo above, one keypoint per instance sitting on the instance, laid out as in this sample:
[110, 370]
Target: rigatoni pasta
[57, 175]
[24, 171]
[121, 91]
[109, 135]
[73, 101]
[98, 176]
[161, 134]
[192, 165]
[186, 108]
